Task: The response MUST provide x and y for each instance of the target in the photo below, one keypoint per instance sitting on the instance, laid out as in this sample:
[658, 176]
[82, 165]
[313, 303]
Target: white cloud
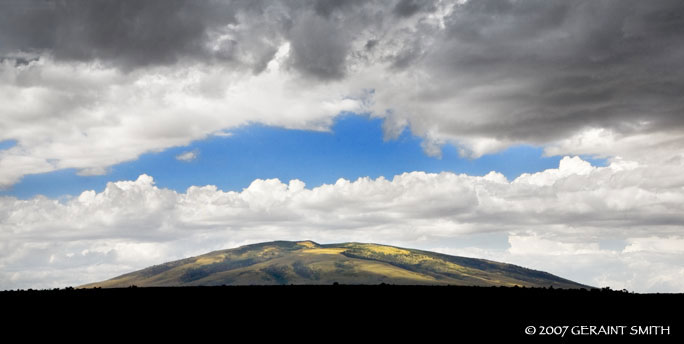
[222, 133]
[89, 117]
[568, 166]
[554, 220]
[655, 244]
[583, 260]
[188, 156]
[534, 245]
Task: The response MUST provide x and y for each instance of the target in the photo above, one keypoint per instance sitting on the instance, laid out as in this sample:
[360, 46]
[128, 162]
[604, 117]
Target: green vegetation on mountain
[306, 262]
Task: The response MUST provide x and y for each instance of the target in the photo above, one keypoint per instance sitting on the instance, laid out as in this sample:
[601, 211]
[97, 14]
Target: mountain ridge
[307, 262]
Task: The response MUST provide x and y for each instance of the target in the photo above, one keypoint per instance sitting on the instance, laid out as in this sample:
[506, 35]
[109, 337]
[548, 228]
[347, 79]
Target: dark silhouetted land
[339, 312]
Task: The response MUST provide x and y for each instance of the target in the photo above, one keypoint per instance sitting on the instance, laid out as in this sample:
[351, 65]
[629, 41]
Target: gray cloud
[481, 74]
[325, 8]
[407, 8]
[556, 67]
[129, 34]
[319, 48]
[569, 64]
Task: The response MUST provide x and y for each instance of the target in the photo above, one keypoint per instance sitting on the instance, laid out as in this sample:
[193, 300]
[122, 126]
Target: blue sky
[353, 148]
[7, 144]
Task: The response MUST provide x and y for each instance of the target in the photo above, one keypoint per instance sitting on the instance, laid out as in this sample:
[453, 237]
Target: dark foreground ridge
[350, 312]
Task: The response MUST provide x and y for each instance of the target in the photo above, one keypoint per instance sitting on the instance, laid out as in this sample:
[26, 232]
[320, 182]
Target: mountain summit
[306, 262]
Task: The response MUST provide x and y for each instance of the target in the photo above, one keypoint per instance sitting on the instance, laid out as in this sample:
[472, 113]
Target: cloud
[130, 34]
[318, 49]
[542, 71]
[644, 271]
[407, 8]
[656, 244]
[545, 220]
[188, 156]
[87, 85]
[89, 118]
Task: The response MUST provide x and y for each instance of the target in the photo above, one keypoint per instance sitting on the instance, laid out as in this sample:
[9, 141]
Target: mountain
[306, 262]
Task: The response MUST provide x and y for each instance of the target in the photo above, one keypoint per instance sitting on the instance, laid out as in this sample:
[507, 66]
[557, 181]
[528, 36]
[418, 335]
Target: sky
[547, 134]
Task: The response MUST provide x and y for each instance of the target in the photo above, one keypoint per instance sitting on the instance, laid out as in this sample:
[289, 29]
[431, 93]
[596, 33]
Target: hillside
[306, 262]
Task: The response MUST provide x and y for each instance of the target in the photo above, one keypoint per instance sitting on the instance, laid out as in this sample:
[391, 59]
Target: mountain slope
[306, 262]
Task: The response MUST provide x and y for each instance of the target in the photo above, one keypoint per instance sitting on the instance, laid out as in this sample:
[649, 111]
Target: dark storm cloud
[407, 8]
[319, 48]
[326, 7]
[138, 33]
[518, 71]
[566, 64]
[126, 33]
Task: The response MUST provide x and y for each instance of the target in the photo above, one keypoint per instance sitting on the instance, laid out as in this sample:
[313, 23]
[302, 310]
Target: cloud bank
[89, 84]
[617, 226]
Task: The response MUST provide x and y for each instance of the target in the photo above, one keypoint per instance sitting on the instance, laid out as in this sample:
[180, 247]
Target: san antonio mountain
[306, 262]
